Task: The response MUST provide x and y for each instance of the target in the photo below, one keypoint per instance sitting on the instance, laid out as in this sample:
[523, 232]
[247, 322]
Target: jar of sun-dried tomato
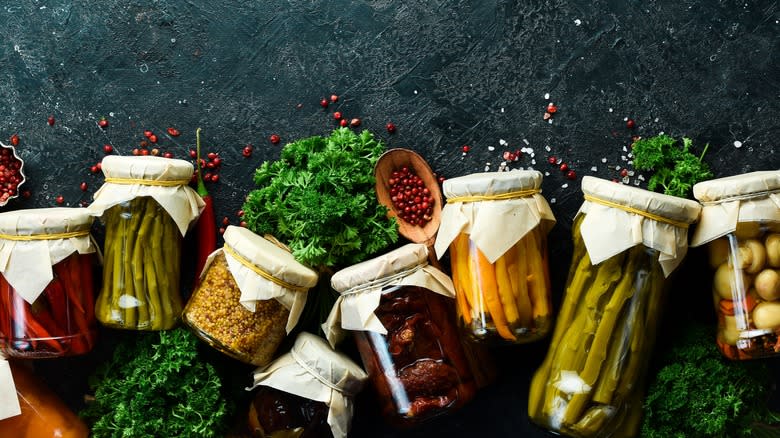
[401, 312]
[306, 393]
[250, 296]
[46, 288]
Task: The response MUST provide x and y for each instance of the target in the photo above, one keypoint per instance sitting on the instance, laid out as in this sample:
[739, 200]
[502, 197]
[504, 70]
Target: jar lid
[147, 168]
[46, 221]
[394, 262]
[268, 257]
[492, 183]
[671, 208]
[328, 365]
[744, 186]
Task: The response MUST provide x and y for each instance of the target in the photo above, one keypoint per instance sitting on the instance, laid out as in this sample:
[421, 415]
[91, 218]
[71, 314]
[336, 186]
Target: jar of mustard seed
[627, 241]
[147, 208]
[495, 226]
[250, 296]
[401, 312]
[308, 392]
[740, 225]
[46, 286]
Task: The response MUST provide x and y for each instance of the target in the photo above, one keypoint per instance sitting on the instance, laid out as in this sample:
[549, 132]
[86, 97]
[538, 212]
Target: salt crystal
[636, 182]
[532, 154]
[547, 148]
[641, 177]
[533, 161]
[502, 110]
[630, 163]
[623, 157]
[526, 141]
[625, 180]
[491, 148]
[552, 200]
[546, 96]
[594, 169]
[549, 121]
[630, 155]
[487, 168]
[546, 173]
[604, 160]
[737, 144]
[502, 142]
[617, 167]
[577, 22]
[655, 120]
[630, 173]
[625, 119]
[564, 186]
[610, 110]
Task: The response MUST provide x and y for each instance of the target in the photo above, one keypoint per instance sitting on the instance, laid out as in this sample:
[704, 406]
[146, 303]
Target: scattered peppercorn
[153, 138]
[193, 153]
[59, 200]
[571, 174]
[148, 133]
[242, 224]
[324, 103]
[354, 122]
[50, 120]
[103, 123]
[83, 186]
[337, 115]
[94, 169]
[136, 151]
[107, 148]
[624, 173]
[343, 123]
[26, 194]
[390, 127]
[173, 132]
[215, 178]
[247, 151]
[466, 148]
[411, 199]
[144, 151]
[564, 167]
[99, 165]
[630, 124]
[275, 139]
[334, 98]
[155, 152]
[225, 221]
[168, 155]
[552, 160]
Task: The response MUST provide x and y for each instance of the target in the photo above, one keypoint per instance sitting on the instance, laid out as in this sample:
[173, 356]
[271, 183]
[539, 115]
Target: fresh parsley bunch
[319, 198]
[157, 385]
[676, 169]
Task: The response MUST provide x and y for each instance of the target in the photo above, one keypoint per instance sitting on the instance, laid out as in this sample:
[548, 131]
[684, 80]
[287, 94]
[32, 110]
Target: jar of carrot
[250, 296]
[400, 311]
[46, 289]
[740, 224]
[147, 207]
[495, 225]
[29, 409]
[626, 242]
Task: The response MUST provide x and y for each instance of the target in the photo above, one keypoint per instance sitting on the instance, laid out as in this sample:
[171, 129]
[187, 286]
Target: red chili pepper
[207, 223]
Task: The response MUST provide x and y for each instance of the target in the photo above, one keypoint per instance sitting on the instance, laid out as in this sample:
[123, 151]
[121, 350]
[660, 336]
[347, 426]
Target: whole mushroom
[767, 284]
[772, 244]
[752, 256]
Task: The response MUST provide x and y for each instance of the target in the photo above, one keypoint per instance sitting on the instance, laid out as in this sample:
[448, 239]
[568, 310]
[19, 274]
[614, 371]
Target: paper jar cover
[751, 197]
[163, 179]
[618, 217]
[314, 371]
[48, 236]
[9, 400]
[361, 288]
[513, 208]
[252, 260]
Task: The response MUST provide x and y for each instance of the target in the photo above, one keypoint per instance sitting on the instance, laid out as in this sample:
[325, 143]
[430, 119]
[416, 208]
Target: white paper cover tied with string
[264, 271]
[163, 179]
[314, 371]
[751, 197]
[32, 241]
[9, 400]
[619, 217]
[496, 209]
[361, 287]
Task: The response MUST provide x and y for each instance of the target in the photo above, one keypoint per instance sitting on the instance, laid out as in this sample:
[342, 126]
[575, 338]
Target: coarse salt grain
[526, 141]
[610, 110]
[546, 96]
[546, 173]
[594, 169]
[564, 186]
[617, 167]
[737, 144]
[636, 182]
[604, 160]
[533, 161]
[547, 148]
[491, 148]
[641, 177]
[552, 200]
[502, 142]
[549, 121]
[577, 22]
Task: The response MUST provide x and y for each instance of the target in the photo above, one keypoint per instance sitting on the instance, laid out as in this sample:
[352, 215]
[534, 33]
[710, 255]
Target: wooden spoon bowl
[394, 160]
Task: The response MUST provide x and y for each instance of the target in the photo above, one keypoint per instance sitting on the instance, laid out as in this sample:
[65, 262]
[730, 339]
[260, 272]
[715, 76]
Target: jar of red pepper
[46, 289]
[147, 207]
[401, 312]
[306, 393]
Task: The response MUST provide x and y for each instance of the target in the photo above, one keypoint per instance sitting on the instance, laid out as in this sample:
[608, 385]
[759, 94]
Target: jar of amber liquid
[495, 225]
[250, 296]
[42, 318]
[740, 226]
[147, 207]
[626, 242]
[306, 393]
[409, 345]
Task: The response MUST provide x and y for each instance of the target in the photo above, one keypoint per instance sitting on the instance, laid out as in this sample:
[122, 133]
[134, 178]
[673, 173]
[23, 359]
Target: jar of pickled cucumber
[46, 284]
[308, 392]
[740, 225]
[627, 241]
[250, 296]
[400, 311]
[495, 225]
[29, 409]
[147, 207]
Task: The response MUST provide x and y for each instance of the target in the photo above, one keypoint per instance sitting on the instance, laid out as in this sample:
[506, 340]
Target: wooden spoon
[394, 160]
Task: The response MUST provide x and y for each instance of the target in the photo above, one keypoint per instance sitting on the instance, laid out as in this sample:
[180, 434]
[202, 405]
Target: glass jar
[146, 207]
[740, 225]
[43, 415]
[306, 393]
[495, 225]
[626, 242]
[250, 296]
[46, 285]
[401, 312]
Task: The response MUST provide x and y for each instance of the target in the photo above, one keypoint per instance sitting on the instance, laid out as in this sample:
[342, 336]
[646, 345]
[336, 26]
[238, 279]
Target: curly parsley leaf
[676, 169]
[319, 199]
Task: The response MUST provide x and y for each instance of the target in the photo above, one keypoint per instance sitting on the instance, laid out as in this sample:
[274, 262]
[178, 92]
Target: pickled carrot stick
[517, 275]
[489, 290]
[505, 291]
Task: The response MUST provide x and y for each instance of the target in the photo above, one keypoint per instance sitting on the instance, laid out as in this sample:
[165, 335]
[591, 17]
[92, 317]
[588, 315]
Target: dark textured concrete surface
[447, 73]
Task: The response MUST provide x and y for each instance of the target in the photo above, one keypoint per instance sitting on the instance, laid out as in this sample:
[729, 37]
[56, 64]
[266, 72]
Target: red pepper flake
[390, 126]
[337, 115]
[107, 148]
[324, 103]
[50, 120]
[15, 139]
[630, 124]
[571, 174]
[334, 98]
[173, 132]
[59, 200]
[343, 123]
[83, 186]
[275, 139]
[466, 148]
[247, 151]
[103, 123]
[355, 122]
